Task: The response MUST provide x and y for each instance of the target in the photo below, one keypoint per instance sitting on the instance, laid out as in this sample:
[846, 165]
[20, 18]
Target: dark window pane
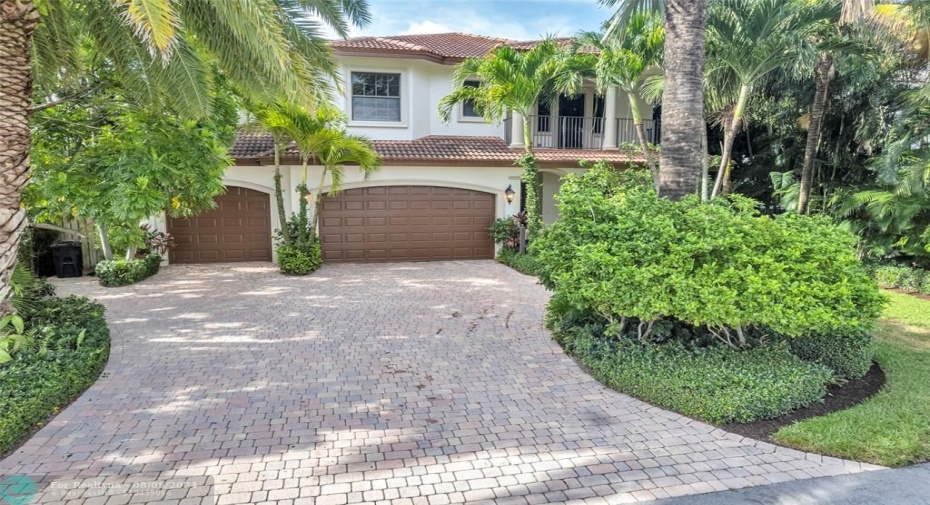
[598, 114]
[468, 106]
[375, 96]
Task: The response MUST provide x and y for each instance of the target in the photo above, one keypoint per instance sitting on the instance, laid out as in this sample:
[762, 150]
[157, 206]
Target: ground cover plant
[893, 427]
[709, 309]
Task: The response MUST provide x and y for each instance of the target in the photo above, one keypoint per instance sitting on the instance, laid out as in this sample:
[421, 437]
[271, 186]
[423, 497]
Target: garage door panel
[406, 223]
[237, 229]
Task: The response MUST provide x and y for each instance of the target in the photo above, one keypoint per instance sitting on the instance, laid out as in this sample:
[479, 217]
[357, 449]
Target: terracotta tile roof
[437, 148]
[249, 145]
[440, 47]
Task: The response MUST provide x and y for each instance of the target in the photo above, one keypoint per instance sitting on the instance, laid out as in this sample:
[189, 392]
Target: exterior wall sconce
[509, 193]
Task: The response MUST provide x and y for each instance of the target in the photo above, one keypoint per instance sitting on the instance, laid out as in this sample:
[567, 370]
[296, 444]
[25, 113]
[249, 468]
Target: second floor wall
[390, 98]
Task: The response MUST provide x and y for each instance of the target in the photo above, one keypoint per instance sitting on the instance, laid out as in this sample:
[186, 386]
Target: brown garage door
[238, 229]
[407, 223]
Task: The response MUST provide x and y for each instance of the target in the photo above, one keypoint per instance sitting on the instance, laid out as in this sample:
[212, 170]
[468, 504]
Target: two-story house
[441, 185]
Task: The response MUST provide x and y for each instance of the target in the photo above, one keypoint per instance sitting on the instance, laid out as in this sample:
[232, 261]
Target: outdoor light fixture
[508, 193]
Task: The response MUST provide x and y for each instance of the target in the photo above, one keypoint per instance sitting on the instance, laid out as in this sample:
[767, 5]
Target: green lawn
[893, 427]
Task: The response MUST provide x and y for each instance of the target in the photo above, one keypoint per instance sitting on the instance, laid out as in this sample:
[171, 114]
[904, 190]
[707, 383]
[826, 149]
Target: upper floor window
[375, 97]
[468, 106]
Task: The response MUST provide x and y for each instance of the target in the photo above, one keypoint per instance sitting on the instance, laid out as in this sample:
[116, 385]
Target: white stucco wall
[423, 84]
[493, 180]
[259, 178]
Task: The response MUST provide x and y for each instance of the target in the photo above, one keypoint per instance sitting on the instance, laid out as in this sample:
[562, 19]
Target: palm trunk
[279, 194]
[530, 180]
[303, 237]
[641, 137]
[823, 77]
[682, 98]
[18, 21]
[729, 137]
[319, 203]
[705, 166]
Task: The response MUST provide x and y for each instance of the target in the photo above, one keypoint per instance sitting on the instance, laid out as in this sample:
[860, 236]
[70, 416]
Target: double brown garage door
[407, 223]
[237, 229]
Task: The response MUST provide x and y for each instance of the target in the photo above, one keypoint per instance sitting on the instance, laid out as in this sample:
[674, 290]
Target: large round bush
[621, 251]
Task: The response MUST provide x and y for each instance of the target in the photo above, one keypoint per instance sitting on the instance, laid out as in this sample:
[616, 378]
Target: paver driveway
[407, 383]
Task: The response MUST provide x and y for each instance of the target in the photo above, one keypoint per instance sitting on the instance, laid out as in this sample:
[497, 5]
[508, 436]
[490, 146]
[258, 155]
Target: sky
[512, 19]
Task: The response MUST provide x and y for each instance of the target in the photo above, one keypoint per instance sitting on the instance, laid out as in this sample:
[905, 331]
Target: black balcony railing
[626, 132]
[562, 132]
[577, 132]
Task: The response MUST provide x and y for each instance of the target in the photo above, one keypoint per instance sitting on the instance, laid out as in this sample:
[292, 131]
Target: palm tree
[748, 39]
[625, 62]
[321, 136]
[851, 12]
[163, 50]
[682, 97]
[512, 80]
[275, 118]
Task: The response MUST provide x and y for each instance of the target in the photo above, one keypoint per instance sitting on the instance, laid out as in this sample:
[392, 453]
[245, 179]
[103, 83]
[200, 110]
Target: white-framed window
[376, 96]
[468, 106]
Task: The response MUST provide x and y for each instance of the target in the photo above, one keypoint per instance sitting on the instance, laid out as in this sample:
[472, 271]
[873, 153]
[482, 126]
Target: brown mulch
[912, 293]
[839, 397]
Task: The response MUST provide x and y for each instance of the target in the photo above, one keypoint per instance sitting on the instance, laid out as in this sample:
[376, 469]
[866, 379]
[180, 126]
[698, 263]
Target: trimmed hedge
[848, 355]
[60, 364]
[113, 273]
[716, 384]
[622, 252]
[299, 259]
[523, 263]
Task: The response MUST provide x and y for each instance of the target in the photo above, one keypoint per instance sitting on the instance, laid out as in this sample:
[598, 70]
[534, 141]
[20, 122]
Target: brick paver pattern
[418, 383]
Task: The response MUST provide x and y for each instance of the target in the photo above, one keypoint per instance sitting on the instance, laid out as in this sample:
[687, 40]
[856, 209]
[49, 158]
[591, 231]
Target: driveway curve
[408, 383]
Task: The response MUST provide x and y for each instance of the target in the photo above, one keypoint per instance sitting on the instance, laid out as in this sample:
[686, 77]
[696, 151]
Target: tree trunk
[18, 21]
[682, 98]
[729, 137]
[705, 165]
[319, 202]
[641, 137]
[104, 232]
[530, 179]
[823, 77]
[279, 194]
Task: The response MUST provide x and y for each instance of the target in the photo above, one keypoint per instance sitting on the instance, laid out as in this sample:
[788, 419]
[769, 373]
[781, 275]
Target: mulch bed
[839, 397]
[912, 293]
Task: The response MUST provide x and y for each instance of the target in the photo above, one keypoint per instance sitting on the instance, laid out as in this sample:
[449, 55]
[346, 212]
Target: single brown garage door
[407, 223]
[238, 229]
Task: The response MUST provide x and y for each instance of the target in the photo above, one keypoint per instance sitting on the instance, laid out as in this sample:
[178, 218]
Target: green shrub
[121, 272]
[910, 279]
[622, 252]
[299, 259]
[889, 276]
[848, 355]
[523, 263]
[70, 348]
[925, 284]
[716, 384]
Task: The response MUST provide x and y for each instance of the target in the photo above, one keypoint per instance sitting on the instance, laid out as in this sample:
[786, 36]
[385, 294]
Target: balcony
[576, 132]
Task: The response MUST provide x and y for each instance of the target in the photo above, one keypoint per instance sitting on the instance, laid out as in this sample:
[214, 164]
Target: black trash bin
[69, 260]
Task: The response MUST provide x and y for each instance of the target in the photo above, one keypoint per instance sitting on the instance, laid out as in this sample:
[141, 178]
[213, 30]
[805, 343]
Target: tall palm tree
[321, 136]
[748, 39]
[682, 96]
[851, 12]
[625, 62]
[163, 50]
[512, 80]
